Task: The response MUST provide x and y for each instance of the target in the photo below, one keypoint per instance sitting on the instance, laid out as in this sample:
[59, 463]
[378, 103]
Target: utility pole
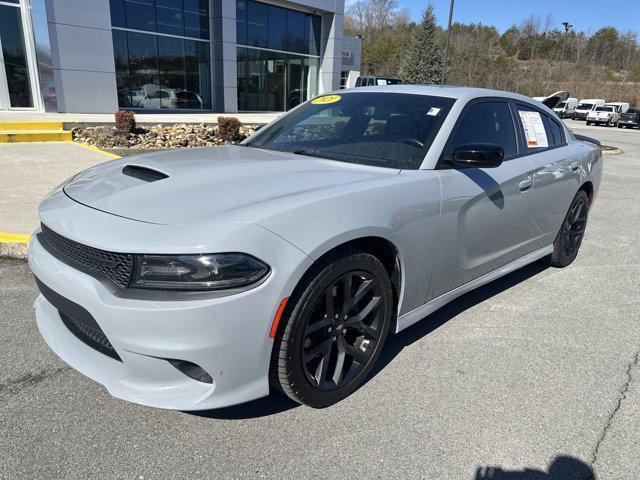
[567, 26]
[446, 47]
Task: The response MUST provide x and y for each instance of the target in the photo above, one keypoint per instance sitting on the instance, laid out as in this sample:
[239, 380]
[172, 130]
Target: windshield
[392, 130]
[605, 109]
[585, 106]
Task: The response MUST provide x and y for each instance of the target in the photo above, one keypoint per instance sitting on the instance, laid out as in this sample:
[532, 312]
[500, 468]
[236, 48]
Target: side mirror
[477, 156]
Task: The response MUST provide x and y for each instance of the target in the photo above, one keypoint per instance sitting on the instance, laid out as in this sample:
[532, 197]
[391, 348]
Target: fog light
[191, 370]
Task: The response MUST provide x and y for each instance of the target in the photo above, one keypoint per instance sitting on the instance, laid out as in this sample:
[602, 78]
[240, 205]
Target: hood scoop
[145, 174]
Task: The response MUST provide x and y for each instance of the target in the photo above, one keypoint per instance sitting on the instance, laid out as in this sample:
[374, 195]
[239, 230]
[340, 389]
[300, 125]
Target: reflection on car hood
[194, 185]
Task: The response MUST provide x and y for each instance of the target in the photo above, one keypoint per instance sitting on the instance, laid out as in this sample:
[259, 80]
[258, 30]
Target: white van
[585, 106]
[566, 108]
[621, 107]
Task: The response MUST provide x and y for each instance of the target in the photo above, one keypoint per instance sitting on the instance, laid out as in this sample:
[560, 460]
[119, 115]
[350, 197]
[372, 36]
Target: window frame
[520, 129]
[447, 149]
[521, 144]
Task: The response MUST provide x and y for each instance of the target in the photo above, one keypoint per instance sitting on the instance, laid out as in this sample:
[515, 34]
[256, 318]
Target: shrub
[125, 121]
[228, 129]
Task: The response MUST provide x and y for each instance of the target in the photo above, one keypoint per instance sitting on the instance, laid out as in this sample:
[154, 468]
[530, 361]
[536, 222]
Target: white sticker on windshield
[534, 131]
[433, 111]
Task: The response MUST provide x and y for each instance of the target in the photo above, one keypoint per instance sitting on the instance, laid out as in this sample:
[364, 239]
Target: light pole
[446, 46]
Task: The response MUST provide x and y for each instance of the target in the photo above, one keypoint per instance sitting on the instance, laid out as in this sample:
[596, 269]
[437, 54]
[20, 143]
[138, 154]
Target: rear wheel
[335, 330]
[569, 239]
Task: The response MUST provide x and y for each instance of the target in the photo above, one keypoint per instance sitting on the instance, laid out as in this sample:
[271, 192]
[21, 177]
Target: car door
[485, 218]
[556, 172]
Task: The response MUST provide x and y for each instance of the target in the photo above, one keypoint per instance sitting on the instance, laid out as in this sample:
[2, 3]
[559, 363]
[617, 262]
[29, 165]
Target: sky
[587, 15]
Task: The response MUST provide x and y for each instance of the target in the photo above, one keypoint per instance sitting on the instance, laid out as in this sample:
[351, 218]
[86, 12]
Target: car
[566, 108]
[605, 115]
[585, 106]
[370, 81]
[172, 98]
[201, 278]
[630, 119]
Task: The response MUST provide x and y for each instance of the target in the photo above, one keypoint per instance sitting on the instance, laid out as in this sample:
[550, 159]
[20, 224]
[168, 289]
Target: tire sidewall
[298, 381]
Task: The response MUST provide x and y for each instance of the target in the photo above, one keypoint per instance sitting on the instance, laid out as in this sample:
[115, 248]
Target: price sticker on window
[326, 99]
[534, 131]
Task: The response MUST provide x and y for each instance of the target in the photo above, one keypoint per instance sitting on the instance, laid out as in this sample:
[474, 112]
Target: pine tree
[422, 63]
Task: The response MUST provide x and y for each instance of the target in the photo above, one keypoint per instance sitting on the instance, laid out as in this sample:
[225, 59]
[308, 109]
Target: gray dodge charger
[200, 278]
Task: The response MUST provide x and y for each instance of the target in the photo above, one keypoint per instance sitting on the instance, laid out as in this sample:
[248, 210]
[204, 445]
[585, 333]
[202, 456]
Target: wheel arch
[589, 190]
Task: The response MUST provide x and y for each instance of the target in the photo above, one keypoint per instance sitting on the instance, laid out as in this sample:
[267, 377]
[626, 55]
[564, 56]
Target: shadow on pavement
[562, 468]
[277, 402]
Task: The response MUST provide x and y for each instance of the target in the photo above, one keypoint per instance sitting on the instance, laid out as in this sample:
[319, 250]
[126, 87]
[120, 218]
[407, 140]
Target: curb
[95, 149]
[13, 245]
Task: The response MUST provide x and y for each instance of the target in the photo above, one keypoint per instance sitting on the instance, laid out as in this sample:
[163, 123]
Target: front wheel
[335, 329]
[569, 239]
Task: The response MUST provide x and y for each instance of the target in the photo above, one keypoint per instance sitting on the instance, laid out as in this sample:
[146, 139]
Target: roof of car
[450, 91]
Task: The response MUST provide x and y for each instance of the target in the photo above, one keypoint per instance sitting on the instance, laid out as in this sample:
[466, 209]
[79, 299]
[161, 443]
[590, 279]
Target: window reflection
[15, 57]
[189, 18]
[277, 28]
[158, 72]
[274, 81]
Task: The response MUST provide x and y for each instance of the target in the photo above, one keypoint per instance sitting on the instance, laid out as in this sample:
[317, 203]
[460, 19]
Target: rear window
[393, 130]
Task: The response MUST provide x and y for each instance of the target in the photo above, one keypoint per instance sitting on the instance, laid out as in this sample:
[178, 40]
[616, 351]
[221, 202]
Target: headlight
[197, 272]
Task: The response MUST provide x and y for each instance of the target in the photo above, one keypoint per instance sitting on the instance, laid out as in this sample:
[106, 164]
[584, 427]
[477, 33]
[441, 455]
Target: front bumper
[227, 336]
[579, 116]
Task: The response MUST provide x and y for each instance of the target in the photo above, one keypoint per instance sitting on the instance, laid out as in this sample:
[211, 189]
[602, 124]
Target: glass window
[257, 15]
[487, 122]
[140, 15]
[155, 72]
[241, 22]
[555, 131]
[296, 32]
[274, 81]
[278, 38]
[313, 35]
[15, 57]
[174, 17]
[381, 129]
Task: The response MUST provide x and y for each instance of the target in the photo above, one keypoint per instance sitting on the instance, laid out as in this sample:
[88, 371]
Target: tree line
[535, 57]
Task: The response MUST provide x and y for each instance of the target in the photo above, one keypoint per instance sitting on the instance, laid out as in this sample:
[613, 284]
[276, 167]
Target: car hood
[190, 186]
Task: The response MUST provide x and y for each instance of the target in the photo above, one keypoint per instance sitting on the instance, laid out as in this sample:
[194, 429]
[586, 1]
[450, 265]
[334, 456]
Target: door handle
[525, 184]
[574, 166]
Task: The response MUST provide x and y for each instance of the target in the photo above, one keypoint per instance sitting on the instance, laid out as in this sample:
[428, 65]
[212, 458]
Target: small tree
[125, 121]
[422, 63]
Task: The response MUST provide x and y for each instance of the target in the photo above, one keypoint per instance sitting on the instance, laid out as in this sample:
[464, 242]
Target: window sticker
[326, 99]
[433, 112]
[534, 131]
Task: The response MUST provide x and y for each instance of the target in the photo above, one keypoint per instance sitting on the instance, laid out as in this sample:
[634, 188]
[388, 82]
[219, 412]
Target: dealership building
[95, 56]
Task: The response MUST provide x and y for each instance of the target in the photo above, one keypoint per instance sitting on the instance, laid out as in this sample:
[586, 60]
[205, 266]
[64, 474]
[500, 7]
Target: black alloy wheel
[333, 329]
[571, 233]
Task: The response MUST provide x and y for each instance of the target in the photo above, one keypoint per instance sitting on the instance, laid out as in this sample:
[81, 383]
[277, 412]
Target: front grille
[116, 267]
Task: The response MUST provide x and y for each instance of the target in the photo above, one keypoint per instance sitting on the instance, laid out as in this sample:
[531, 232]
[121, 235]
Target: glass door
[16, 76]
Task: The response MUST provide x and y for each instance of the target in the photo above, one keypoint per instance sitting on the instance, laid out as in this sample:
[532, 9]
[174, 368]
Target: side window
[487, 122]
[536, 129]
[554, 132]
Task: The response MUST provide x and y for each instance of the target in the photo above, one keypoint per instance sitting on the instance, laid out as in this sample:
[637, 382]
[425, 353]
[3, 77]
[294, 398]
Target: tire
[588, 123]
[312, 343]
[569, 238]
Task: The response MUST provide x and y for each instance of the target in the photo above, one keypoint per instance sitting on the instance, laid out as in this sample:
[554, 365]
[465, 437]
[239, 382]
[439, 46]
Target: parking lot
[536, 371]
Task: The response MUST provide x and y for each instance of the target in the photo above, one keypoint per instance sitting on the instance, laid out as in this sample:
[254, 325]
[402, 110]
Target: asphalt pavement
[533, 376]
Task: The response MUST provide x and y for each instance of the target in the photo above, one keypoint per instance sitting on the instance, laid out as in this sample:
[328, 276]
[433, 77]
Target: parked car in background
[630, 119]
[566, 108]
[173, 99]
[195, 278]
[373, 81]
[604, 115]
[585, 106]
[621, 107]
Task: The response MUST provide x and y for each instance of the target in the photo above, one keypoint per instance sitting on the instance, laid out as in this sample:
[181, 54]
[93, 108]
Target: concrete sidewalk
[29, 172]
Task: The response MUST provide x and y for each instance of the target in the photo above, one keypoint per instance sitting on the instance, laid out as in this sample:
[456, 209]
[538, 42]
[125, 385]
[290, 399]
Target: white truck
[621, 107]
[585, 106]
[606, 114]
[566, 108]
